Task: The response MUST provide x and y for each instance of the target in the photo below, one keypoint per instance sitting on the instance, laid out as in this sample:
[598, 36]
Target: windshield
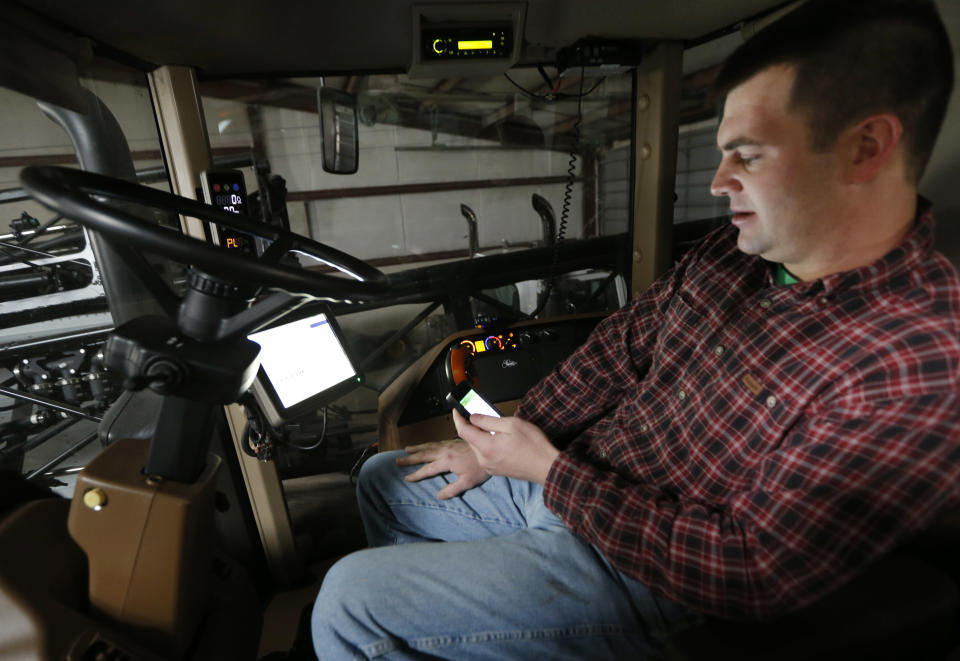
[429, 146]
[449, 170]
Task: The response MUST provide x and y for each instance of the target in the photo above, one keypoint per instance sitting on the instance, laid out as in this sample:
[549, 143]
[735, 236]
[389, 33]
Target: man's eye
[747, 160]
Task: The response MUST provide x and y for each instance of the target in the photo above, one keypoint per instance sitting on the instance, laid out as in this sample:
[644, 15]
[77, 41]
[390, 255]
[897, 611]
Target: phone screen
[474, 403]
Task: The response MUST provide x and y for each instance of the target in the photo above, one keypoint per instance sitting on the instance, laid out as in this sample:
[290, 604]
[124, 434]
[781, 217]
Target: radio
[472, 42]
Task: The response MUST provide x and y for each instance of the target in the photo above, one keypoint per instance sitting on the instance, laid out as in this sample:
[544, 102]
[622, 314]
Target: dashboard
[502, 364]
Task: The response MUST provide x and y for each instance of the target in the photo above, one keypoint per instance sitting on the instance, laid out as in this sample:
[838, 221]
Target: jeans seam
[463, 513]
[485, 637]
[376, 648]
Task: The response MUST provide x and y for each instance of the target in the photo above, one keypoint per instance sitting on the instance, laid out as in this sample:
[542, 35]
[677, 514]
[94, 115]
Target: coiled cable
[565, 207]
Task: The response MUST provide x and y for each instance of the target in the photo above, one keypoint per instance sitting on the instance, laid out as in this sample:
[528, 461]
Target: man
[774, 414]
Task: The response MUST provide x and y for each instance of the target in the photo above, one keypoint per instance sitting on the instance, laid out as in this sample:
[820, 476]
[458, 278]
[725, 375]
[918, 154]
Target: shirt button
[644, 428]
[771, 401]
[765, 304]
[824, 300]
[718, 350]
[603, 454]
[682, 395]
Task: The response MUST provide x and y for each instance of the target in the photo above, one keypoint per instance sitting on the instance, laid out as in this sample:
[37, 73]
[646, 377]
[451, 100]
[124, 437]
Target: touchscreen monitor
[303, 363]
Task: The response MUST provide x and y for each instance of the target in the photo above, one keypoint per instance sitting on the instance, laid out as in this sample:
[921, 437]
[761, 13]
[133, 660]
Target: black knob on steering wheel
[72, 193]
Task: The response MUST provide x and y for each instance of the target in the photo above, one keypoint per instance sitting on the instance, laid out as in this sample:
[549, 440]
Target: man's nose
[723, 182]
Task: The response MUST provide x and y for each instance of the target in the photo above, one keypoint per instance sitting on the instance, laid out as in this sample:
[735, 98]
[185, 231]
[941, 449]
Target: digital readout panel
[467, 43]
[225, 189]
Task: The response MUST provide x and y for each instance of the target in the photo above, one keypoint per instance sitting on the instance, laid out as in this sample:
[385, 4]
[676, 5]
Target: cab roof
[223, 38]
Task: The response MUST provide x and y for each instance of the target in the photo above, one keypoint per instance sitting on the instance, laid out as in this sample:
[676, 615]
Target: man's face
[782, 195]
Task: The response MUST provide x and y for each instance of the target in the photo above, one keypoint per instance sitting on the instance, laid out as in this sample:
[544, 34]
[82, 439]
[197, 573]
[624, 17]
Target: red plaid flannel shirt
[743, 448]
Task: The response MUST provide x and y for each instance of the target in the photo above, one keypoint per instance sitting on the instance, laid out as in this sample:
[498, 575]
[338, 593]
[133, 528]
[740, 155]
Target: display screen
[474, 403]
[475, 45]
[303, 358]
[466, 42]
[228, 201]
[226, 189]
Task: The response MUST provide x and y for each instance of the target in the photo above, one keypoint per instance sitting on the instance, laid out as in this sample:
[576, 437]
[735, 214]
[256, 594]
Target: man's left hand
[516, 448]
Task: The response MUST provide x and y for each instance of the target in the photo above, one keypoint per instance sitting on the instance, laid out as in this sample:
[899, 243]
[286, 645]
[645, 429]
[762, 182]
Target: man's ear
[870, 146]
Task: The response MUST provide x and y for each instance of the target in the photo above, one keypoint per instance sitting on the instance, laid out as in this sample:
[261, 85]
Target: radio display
[477, 42]
[475, 45]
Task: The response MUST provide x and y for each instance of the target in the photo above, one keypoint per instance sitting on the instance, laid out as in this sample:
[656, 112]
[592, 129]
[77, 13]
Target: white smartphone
[467, 400]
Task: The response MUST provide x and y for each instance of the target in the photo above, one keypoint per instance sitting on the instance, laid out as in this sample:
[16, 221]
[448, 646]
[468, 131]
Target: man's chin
[747, 244]
[744, 244]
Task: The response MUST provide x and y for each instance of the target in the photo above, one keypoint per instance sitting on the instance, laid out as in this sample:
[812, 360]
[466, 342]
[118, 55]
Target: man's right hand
[454, 456]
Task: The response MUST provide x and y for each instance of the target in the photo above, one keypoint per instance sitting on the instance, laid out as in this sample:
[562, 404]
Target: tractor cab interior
[249, 246]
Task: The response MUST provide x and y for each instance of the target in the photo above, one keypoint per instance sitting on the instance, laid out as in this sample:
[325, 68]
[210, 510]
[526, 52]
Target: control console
[503, 364]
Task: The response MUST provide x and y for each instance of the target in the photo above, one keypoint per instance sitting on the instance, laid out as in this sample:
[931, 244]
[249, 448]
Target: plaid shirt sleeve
[812, 521]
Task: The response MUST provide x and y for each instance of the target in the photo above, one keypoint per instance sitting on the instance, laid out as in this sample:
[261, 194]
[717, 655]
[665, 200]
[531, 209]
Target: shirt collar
[916, 247]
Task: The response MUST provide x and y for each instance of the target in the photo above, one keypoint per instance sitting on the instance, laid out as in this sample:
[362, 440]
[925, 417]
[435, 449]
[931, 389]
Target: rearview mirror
[338, 130]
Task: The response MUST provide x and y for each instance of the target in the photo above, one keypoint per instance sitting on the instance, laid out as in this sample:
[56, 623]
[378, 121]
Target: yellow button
[95, 499]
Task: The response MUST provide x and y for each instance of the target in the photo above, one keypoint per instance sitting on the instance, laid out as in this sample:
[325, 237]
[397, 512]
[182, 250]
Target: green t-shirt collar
[782, 276]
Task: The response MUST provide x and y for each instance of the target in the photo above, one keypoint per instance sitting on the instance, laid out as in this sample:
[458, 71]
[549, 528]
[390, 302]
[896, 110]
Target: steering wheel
[72, 194]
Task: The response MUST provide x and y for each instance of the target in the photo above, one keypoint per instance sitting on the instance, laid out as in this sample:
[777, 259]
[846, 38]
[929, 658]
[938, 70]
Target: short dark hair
[854, 58]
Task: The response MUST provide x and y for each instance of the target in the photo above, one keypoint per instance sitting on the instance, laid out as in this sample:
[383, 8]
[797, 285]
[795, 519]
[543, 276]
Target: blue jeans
[508, 581]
